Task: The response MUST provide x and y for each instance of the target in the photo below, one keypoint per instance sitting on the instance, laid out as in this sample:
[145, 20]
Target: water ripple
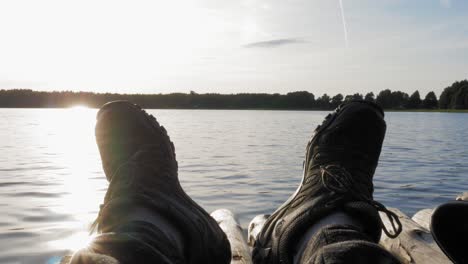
[249, 162]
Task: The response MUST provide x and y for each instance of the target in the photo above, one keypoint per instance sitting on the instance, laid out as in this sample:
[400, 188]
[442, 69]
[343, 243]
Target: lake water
[250, 162]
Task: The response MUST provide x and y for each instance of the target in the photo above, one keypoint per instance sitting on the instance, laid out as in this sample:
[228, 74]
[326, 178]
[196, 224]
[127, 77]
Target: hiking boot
[139, 162]
[340, 162]
[449, 229]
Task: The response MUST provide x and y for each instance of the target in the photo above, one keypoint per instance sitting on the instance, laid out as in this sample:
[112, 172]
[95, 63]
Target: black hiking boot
[340, 162]
[449, 228]
[139, 162]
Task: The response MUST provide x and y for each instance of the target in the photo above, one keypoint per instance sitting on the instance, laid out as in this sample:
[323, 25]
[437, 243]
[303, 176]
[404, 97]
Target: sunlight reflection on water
[54, 178]
[81, 187]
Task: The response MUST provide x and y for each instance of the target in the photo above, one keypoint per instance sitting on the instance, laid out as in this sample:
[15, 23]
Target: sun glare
[74, 242]
[79, 107]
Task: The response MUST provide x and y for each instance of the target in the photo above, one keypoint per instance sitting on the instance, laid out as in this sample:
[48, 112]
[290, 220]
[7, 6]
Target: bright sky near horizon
[233, 46]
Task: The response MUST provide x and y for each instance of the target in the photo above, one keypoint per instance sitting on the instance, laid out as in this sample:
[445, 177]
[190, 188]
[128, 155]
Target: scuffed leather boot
[340, 162]
[139, 162]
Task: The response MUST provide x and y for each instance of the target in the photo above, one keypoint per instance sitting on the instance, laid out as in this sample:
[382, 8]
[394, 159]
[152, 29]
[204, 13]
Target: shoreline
[259, 109]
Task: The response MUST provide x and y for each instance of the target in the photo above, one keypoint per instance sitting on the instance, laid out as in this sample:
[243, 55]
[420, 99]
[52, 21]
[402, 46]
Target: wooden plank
[239, 249]
[255, 227]
[423, 218]
[415, 243]
[462, 197]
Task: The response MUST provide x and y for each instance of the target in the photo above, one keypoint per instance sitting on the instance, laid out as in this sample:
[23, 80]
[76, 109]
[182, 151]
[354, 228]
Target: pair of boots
[148, 218]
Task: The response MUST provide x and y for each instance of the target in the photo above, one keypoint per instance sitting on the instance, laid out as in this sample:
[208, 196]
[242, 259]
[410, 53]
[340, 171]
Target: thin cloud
[273, 43]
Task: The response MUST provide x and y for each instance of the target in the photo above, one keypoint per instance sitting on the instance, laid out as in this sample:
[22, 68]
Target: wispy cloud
[274, 43]
[345, 30]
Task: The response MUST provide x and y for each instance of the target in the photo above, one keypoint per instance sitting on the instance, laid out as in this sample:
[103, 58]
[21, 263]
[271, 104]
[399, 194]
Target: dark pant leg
[134, 242]
[344, 244]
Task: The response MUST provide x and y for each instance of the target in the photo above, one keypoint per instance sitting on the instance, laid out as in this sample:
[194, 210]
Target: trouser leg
[343, 244]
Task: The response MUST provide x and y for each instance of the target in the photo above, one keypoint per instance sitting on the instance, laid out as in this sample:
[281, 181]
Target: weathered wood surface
[255, 227]
[415, 243]
[462, 197]
[239, 249]
[423, 218]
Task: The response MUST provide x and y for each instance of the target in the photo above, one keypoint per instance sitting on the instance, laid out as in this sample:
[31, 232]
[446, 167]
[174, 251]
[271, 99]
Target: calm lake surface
[51, 181]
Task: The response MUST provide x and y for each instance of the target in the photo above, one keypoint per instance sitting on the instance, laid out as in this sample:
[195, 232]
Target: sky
[233, 46]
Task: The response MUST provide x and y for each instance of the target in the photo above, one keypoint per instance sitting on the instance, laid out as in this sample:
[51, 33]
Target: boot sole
[135, 111]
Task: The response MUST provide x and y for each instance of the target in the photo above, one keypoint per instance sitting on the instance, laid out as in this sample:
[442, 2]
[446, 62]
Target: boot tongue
[367, 212]
[337, 179]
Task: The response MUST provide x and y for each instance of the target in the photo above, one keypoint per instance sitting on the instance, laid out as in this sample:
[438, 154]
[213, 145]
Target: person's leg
[342, 243]
[332, 217]
[146, 216]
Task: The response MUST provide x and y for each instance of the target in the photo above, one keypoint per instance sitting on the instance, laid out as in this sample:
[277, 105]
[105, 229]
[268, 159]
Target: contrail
[344, 24]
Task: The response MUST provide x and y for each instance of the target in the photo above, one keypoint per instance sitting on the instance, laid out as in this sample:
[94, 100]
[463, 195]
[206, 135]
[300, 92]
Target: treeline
[453, 97]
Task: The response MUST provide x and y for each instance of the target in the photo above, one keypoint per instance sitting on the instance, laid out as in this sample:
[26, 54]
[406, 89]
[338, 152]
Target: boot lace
[338, 179]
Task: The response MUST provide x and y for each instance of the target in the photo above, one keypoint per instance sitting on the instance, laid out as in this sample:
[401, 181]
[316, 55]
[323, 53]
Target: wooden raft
[414, 245]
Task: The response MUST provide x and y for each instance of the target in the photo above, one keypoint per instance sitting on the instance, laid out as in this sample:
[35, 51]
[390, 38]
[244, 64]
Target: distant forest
[453, 97]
